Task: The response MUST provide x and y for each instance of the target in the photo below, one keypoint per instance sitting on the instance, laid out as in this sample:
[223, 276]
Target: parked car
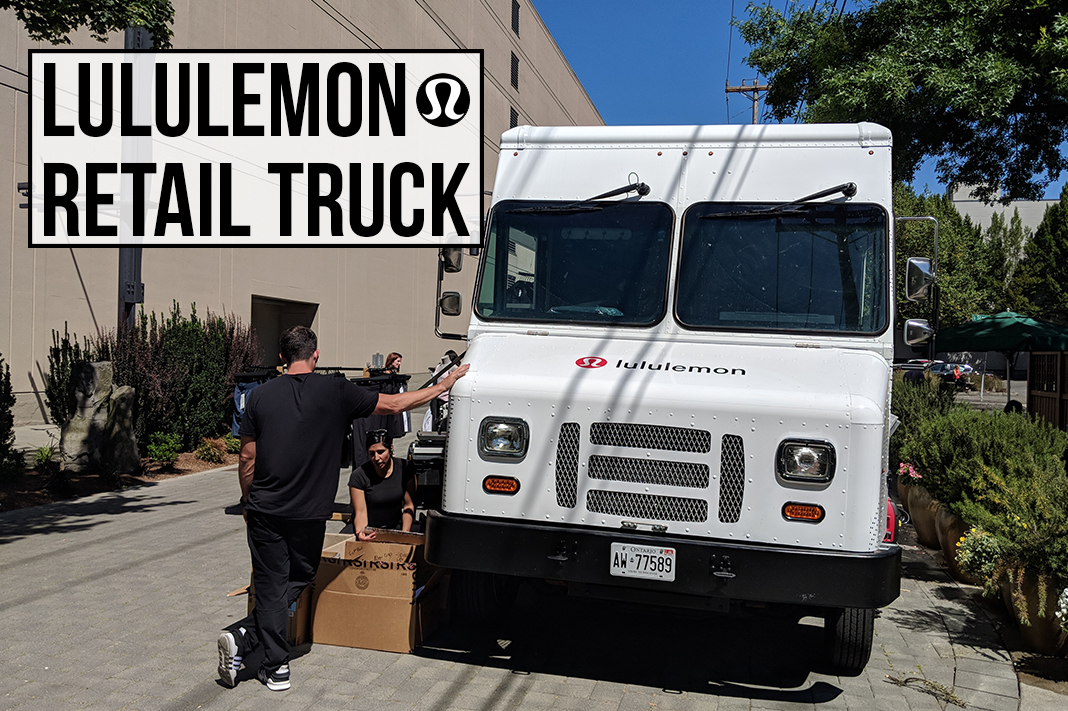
[952, 372]
[945, 369]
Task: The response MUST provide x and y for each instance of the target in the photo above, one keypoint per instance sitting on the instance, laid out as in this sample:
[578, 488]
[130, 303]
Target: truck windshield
[607, 264]
[818, 268]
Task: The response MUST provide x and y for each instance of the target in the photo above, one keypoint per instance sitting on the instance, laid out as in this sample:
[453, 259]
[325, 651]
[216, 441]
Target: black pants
[285, 556]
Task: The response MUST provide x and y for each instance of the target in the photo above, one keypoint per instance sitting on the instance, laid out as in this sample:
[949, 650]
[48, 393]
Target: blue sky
[666, 62]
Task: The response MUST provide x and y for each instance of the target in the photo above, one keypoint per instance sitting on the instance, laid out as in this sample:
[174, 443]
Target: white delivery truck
[680, 353]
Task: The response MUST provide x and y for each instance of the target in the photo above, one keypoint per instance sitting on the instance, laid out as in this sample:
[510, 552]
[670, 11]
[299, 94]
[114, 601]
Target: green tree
[53, 20]
[1040, 285]
[1003, 245]
[960, 257]
[980, 84]
[10, 459]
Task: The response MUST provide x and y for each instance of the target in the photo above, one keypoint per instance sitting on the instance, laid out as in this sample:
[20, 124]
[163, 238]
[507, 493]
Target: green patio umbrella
[1007, 332]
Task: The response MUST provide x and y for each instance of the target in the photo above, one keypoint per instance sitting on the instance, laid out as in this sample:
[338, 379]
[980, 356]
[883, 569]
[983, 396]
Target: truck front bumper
[714, 569]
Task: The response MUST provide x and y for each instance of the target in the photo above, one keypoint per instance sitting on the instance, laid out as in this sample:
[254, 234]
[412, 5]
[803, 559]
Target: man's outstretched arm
[402, 402]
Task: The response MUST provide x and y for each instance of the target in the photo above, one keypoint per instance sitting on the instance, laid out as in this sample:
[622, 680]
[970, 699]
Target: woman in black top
[382, 490]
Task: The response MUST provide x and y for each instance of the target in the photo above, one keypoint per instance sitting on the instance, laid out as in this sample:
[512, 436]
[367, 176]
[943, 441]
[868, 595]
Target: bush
[42, 458]
[11, 463]
[994, 384]
[62, 356]
[915, 403]
[211, 450]
[233, 444]
[1004, 474]
[967, 455]
[1028, 515]
[164, 448]
[979, 555]
[182, 369]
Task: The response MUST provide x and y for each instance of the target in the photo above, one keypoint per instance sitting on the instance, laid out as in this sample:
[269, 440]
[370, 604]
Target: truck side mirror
[919, 276]
[917, 331]
[450, 303]
[451, 259]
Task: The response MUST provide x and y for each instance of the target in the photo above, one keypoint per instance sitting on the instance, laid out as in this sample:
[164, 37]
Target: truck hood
[678, 436]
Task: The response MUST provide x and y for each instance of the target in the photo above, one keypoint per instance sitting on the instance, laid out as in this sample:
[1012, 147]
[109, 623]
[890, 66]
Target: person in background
[382, 490]
[393, 365]
[291, 440]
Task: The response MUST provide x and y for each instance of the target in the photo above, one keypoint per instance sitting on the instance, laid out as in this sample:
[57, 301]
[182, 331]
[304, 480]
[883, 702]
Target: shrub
[1025, 507]
[182, 369]
[968, 455]
[164, 448]
[915, 403]
[11, 463]
[211, 450]
[62, 356]
[43, 457]
[978, 555]
[233, 444]
[994, 384]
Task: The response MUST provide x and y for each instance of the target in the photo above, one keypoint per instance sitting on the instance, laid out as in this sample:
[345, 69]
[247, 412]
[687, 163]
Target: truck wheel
[481, 598]
[848, 635]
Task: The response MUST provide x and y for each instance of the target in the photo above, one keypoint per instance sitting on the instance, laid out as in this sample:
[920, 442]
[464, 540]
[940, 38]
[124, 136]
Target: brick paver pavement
[115, 601]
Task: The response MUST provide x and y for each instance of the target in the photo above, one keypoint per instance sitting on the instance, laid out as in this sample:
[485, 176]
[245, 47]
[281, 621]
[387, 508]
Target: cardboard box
[377, 594]
[299, 629]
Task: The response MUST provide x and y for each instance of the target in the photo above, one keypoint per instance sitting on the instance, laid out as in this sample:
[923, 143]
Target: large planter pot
[922, 510]
[1044, 633]
[903, 487]
[950, 529]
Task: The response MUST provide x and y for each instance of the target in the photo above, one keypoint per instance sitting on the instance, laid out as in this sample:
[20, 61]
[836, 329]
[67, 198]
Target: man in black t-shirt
[291, 439]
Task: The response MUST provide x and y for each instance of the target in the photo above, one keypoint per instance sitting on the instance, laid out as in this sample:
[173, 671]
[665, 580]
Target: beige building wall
[366, 300]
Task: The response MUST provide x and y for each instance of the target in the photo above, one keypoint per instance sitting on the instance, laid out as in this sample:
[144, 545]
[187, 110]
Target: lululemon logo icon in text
[443, 100]
[591, 362]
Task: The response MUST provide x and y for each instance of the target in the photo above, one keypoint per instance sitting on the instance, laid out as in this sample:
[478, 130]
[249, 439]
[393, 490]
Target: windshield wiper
[585, 205]
[794, 207]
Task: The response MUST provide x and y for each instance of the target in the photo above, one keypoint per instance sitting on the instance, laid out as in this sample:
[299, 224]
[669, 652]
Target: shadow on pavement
[736, 655]
[77, 514]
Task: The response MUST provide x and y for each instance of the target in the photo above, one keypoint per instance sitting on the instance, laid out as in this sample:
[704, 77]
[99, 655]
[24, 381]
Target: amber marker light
[500, 485]
[793, 511]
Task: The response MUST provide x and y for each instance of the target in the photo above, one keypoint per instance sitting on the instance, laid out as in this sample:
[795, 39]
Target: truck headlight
[805, 460]
[503, 439]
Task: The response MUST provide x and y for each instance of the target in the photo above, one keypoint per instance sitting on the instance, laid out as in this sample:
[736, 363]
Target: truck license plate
[631, 561]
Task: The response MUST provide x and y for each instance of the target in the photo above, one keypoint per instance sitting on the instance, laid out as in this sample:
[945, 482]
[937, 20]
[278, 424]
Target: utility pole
[752, 93]
[131, 288]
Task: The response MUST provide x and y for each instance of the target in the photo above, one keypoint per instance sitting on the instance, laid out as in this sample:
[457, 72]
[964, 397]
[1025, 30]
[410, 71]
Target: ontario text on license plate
[631, 561]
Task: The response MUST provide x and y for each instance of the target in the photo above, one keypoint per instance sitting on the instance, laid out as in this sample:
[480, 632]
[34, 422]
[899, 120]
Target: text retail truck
[680, 351]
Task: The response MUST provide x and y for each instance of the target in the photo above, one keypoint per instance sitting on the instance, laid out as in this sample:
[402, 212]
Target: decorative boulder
[119, 446]
[81, 437]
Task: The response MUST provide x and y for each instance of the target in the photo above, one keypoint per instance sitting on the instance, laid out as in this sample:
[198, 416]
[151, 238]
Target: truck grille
[731, 479]
[647, 506]
[675, 439]
[645, 471]
[567, 461]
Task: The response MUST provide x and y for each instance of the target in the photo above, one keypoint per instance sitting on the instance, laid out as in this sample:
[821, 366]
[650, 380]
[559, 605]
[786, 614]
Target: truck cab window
[608, 264]
[820, 268]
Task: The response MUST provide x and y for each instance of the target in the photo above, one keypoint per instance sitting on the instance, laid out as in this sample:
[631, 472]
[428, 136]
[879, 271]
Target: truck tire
[848, 634]
[481, 598]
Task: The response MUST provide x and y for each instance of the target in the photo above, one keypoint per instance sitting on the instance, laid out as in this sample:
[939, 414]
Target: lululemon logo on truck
[443, 100]
[591, 362]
